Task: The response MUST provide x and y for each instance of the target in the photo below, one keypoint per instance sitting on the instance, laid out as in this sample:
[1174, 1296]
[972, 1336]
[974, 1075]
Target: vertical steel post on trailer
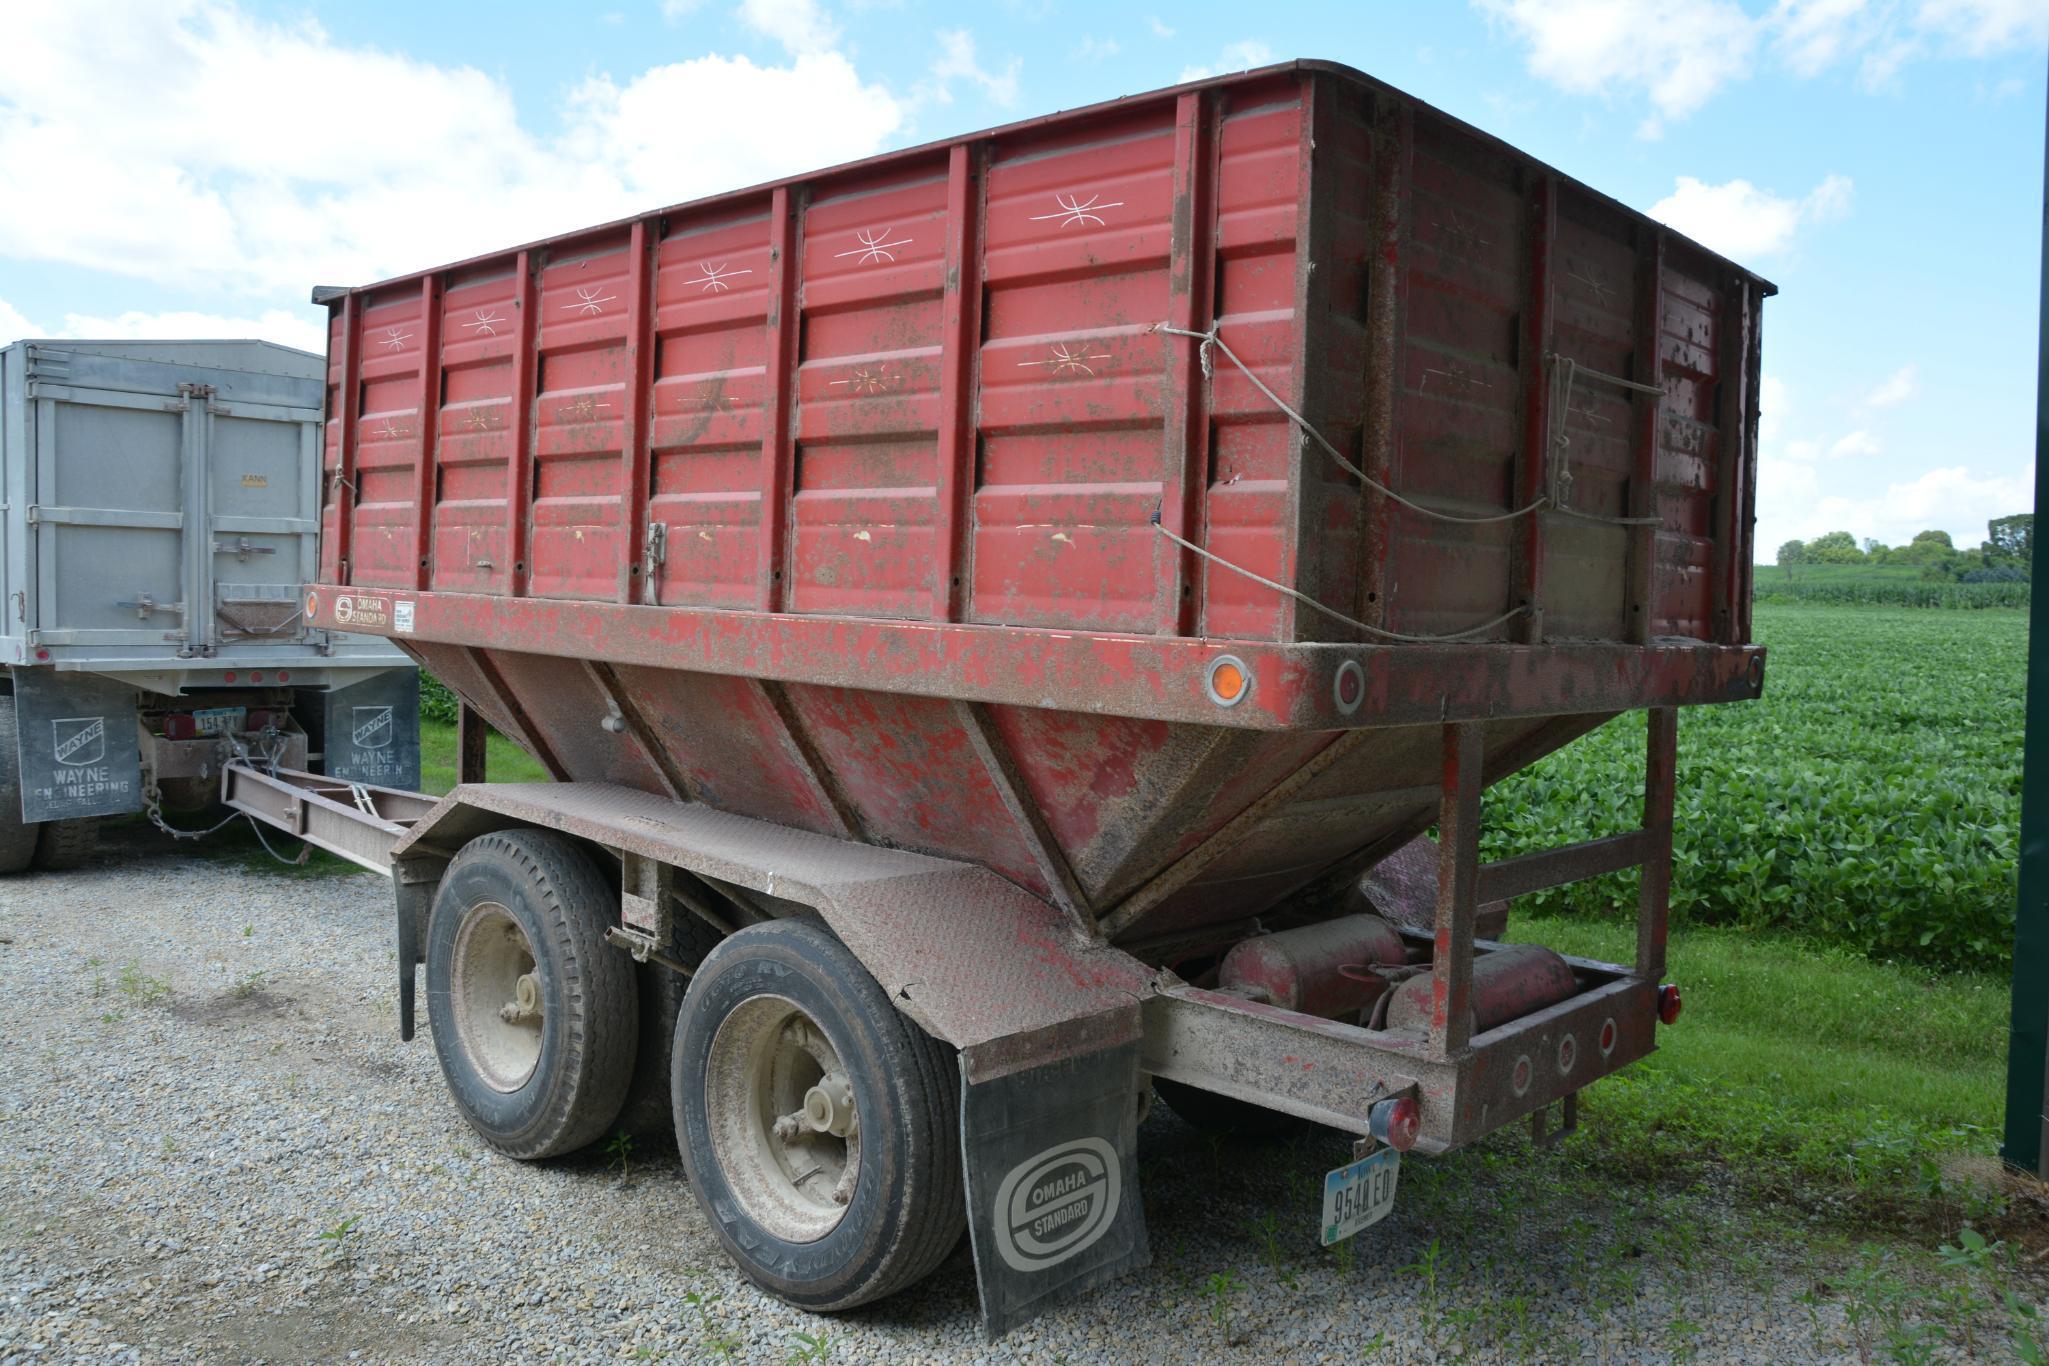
[2027, 1125]
[1458, 889]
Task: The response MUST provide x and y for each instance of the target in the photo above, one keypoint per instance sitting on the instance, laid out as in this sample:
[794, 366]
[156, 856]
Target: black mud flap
[370, 731]
[413, 884]
[1053, 1201]
[79, 739]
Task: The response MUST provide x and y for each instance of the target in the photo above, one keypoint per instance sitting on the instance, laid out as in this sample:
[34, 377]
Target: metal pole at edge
[2026, 1054]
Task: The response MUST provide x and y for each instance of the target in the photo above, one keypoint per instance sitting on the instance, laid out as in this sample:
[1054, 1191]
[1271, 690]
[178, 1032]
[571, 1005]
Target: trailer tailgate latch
[144, 604]
[242, 549]
[652, 558]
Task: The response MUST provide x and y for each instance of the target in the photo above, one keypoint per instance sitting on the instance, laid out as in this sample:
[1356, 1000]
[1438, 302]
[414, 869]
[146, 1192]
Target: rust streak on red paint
[633, 432]
[519, 468]
[429, 419]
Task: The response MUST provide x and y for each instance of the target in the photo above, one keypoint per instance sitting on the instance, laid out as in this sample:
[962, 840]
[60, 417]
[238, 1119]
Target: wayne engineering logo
[79, 740]
[372, 729]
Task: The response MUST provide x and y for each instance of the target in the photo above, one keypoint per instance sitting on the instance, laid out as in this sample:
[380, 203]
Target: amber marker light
[1228, 680]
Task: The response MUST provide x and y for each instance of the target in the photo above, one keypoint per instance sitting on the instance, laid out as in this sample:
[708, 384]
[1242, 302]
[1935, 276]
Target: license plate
[219, 720]
[1360, 1195]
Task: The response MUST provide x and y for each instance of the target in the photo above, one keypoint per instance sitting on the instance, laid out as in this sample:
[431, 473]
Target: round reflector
[1668, 1004]
[1348, 689]
[1228, 680]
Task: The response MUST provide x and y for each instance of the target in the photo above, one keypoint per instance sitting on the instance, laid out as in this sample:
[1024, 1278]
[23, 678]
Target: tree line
[2006, 555]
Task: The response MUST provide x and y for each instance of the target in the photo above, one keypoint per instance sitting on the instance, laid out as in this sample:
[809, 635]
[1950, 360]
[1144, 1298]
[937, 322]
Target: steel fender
[976, 960]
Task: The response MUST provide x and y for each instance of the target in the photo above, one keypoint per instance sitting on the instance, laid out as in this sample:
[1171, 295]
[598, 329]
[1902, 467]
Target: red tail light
[1668, 1004]
[1396, 1122]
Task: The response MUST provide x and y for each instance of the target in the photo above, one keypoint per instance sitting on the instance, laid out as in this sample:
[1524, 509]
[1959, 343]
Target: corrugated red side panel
[931, 387]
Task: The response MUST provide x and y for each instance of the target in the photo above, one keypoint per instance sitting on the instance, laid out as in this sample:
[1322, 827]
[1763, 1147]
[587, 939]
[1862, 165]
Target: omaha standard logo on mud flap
[78, 740]
[1057, 1204]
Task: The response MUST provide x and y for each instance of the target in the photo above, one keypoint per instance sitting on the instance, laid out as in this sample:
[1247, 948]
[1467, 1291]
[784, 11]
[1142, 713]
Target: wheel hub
[496, 997]
[781, 1112]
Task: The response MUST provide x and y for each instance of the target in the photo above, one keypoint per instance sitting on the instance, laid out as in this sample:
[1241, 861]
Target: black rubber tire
[590, 1001]
[17, 837]
[64, 845]
[649, 1111]
[1210, 1113]
[909, 1206]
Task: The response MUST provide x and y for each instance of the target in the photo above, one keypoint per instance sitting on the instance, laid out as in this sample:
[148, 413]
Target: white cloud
[1094, 49]
[1901, 385]
[1742, 221]
[195, 146]
[1235, 57]
[675, 11]
[1774, 405]
[305, 329]
[1852, 444]
[1982, 27]
[815, 111]
[799, 25]
[958, 62]
[1811, 36]
[1675, 54]
[1159, 28]
[1955, 498]
[14, 326]
[1679, 53]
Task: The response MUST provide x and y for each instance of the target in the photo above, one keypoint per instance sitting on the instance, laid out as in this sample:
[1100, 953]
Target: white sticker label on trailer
[402, 617]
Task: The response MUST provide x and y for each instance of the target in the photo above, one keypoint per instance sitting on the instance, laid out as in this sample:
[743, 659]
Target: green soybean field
[1870, 799]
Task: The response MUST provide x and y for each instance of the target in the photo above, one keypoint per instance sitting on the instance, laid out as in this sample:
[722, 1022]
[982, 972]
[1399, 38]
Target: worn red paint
[802, 466]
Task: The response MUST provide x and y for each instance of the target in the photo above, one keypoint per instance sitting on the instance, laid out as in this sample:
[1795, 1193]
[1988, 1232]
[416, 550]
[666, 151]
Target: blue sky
[187, 167]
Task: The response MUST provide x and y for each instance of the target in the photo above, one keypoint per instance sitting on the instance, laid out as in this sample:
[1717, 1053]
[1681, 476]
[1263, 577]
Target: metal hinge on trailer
[647, 912]
[144, 604]
[653, 557]
[242, 549]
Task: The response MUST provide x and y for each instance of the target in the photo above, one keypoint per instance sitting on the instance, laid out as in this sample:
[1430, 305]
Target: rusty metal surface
[358, 822]
[822, 515]
[971, 957]
[1331, 1072]
[1318, 969]
[1092, 673]
[1403, 887]
[1508, 983]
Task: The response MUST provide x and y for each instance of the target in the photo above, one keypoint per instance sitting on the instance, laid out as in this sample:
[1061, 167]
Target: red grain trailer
[985, 608]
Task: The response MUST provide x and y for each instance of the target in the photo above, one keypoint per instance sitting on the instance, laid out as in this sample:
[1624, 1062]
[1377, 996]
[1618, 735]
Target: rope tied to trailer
[1307, 601]
[1213, 341]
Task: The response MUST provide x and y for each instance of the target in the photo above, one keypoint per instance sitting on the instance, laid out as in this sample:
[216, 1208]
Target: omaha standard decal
[1057, 1204]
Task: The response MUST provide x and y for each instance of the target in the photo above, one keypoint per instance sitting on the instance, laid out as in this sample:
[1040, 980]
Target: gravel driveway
[213, 1146]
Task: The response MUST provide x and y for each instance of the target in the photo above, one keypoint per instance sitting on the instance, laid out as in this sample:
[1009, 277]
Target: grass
[505, 761]
[1819, 1068]
[1880, 585]
[1870, 798]
[1769, 576]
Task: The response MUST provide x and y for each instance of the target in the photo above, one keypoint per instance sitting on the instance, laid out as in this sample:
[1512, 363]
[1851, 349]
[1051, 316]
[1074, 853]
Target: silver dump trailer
[159, 508]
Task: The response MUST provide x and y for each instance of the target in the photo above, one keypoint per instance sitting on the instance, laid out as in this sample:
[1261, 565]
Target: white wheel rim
[779, 1107]
[496, 997]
